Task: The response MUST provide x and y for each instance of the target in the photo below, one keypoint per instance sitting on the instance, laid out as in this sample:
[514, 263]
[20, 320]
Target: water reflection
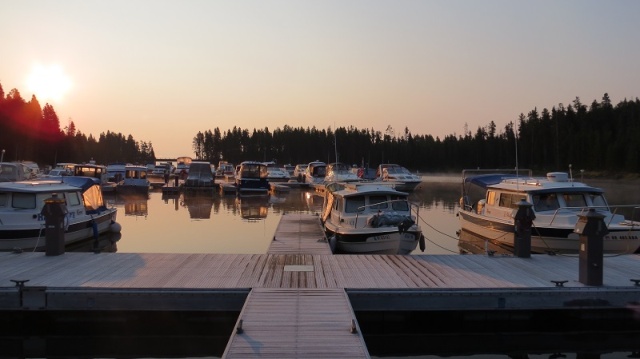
[253, 207]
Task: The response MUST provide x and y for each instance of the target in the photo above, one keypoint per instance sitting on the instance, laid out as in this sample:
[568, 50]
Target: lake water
[205, 223]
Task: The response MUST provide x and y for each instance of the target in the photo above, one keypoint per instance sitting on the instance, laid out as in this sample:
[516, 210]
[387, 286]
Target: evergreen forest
[31, 132]
[598, 138]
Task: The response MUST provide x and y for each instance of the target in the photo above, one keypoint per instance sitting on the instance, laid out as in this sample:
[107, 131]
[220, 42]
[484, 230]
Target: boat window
[354, 204]
[597, 199]
[378, 202]
[574, 199]
[4, 197]
[545, 202]
[24, 200]
[510, 200]
[72, 198]
[399, 204]
[491, 198]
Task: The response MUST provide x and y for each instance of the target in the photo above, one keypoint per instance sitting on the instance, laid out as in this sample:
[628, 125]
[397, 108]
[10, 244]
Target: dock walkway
[299, 271]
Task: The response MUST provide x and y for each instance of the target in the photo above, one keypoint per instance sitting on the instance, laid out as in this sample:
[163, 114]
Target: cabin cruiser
[315, 173]
[252, 178]
[226, 171]
[135, 180]
[115, 172]
[22, 225]
[340, 172]
[489, 202]
[13, 171]
[98, 172]
[402, 179]
[276, 173]
[199, 175]
[371, 218]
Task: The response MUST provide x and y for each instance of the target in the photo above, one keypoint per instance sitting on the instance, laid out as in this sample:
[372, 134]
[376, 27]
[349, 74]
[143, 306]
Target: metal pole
[2, 156]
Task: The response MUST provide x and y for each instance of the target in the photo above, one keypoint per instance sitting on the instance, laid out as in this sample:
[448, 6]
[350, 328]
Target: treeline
[599, 137]
[31, 132]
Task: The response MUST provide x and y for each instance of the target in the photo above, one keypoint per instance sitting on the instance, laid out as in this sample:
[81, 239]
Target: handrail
[606, 209]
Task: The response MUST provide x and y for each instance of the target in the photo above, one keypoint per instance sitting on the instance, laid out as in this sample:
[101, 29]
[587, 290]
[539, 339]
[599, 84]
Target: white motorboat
[402, 179]
[489, 202]
[22, 225]
[370, 218]
[315, 173]
[226, 171]
[340, 172]
[276, 173]
[95, 171]
[135, 180]
[13, 171]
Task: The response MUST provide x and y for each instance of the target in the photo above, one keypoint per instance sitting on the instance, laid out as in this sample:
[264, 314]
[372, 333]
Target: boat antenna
[570, 175]
[335, 142]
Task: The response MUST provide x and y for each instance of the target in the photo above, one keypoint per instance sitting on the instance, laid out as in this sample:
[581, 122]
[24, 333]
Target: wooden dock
[300, 272]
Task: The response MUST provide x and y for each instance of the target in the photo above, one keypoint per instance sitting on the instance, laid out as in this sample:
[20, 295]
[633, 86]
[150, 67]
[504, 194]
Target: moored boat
[135, 180]
[315, 173]
[252, 178]
[340, 172]
[22, 225]
[276, 173]
[556, 201]
[402, 179]
[370, 218]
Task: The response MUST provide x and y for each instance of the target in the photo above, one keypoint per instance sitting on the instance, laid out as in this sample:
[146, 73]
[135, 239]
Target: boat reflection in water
[198, 204]
[253, 207]
[134, 204]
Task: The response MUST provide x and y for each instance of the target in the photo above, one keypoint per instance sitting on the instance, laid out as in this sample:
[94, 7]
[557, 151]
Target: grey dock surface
[298, 272]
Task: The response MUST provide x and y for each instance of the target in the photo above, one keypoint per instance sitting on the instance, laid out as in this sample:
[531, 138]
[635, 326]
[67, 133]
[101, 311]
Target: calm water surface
[199, 223]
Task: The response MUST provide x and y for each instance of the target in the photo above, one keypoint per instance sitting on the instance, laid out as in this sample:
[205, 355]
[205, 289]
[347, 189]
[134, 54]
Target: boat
[98, 172]
[402, 179]
[135, 180]
[200, 175]
[252, 178]
[276, 173]
[182, 166]
[315, 173]
[22, 225]
[371, 218]
[115, 172]
[13, 172]
[226, 171]
[490, 199]
[340, 172]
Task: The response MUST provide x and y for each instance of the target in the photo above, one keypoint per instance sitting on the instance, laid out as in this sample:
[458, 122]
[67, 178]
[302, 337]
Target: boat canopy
[487, 180]
[91, 193]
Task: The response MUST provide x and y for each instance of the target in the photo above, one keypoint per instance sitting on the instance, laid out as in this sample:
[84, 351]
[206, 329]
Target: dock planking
[299, 267]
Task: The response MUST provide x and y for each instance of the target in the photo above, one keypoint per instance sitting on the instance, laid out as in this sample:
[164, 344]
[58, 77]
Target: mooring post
[592, 229]
[54, 212]
[523, 218]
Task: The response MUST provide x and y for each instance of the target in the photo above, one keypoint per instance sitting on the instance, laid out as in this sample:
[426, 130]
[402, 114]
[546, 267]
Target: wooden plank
[296, 323]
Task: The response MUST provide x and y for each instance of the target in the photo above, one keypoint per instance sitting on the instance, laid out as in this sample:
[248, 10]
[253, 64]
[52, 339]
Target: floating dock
[299, 300]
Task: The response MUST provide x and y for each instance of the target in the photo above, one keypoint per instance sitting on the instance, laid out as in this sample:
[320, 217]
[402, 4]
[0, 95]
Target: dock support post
[523, 217]
[592, 229]
[54, 212]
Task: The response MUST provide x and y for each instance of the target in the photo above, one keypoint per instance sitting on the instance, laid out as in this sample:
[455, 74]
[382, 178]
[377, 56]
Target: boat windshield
[378, 202]
[545, 202]
[354, 204]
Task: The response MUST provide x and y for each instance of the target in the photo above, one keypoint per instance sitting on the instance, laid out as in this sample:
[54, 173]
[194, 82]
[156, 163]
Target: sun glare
[48, 82]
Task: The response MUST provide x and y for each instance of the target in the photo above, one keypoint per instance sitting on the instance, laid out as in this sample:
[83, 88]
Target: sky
[163, 71]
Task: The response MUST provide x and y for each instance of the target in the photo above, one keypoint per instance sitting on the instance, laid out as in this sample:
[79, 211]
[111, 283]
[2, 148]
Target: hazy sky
[164, 70]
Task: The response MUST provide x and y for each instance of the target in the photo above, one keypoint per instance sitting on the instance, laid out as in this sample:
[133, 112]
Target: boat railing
[413, 208]
[609, 211]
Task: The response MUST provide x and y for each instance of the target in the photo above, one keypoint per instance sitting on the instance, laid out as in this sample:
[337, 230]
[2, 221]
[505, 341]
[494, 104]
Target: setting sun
[48, 82]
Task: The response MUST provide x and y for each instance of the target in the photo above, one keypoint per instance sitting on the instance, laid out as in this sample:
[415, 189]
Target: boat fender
[332, 243]
[115, 227]
[405, 224]
[423, 246]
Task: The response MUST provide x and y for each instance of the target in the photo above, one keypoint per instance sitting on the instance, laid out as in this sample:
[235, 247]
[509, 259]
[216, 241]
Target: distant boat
[23, 225]
[402, 179]
[13, 171]
[276, 173]
[200, 175]
[135, 180]
[340, 172]
[315, 173]
[98, 172]
[252, 178]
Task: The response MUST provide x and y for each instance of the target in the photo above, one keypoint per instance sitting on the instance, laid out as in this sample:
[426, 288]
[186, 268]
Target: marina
[272, 249]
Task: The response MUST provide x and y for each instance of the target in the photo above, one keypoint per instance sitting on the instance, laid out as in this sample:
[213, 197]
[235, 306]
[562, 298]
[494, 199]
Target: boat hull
[389, 241]
[547, 239]
[35, 238]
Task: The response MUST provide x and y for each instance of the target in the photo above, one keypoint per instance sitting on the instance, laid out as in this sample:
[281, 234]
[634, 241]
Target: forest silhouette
[599, 138]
